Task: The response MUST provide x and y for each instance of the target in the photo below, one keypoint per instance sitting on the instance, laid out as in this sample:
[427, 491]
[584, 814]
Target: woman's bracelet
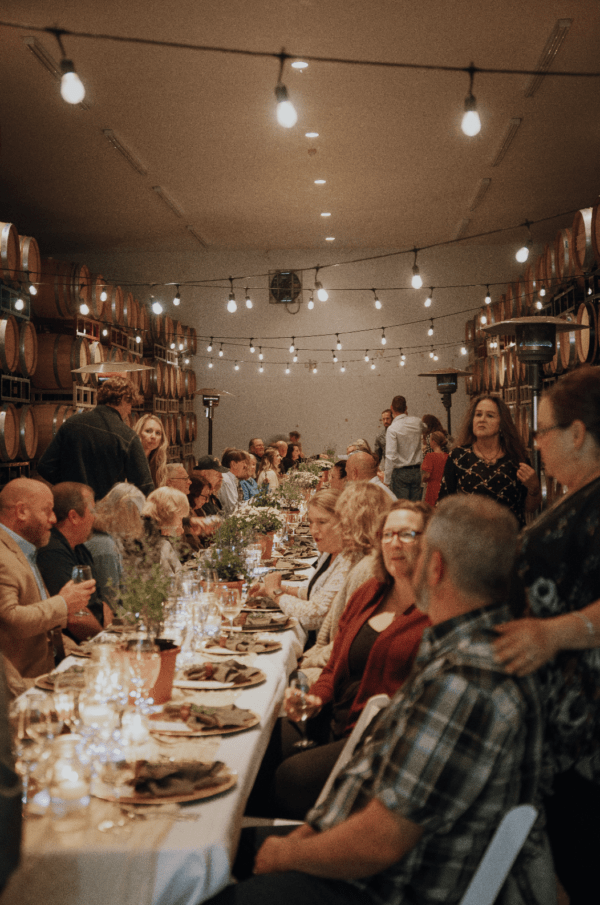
[588, 624]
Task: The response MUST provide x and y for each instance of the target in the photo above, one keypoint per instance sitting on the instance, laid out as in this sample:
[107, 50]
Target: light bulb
[260, 370]
[138, 339]
[103, 295]
[260, 355]
[539, 305]
[177, 299]
[383, 339]
[210, 364]
[286, 112]
[157, 307]
[402, 362]
[471, 124]
[248, 300]
[522, 254]
[221, 351]
[71, 87]
[322, 293]
[334, 358]
[295, 358]
[367, 355]
[252, 348]
[287, 370]
[542, 292]
[105, 332]
[231, 304]
[403, 356]
[32, 289]
[339, 345]
[483, 319]
[311, 302]
[431, 354]
[463, 350]
[186, 361]
[20, 304]
[292, 346]
[172, 345]
[236, 367]
[181, 347]
[435, 358]
[417, 280]
[378, 304]
[488, 298]
[314, 370]
[589, 292]
[429, 299]
[342, 369]
[373, 366]
[430, 331]
[209, 346]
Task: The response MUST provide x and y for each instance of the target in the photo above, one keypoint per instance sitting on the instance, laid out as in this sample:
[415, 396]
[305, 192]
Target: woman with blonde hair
[268, 473]
[166, 507]
[151, 432]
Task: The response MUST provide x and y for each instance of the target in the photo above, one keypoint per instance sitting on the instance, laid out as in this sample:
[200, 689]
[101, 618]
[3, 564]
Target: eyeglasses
[545, 430]
[405, 537]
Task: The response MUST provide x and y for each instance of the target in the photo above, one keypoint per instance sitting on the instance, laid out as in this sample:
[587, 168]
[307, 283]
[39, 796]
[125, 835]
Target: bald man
[31, 620]
[362, 466]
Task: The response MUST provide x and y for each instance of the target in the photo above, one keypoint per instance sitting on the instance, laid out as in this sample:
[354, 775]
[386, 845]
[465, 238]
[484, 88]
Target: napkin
[260, 620]
[183, 778]
[243, 645]
[198, 716]
[226, 671]
[74, 676]
[261, 603]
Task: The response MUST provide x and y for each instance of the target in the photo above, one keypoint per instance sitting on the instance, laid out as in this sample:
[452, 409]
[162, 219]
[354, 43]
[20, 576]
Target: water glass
[211, 625]
[231, 604]
[69, 781]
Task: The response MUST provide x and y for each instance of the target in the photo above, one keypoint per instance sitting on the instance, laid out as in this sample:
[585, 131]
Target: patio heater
[447, 384]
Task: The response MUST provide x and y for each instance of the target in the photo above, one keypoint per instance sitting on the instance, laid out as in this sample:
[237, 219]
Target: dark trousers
[293, 888]
[406, 483]
[573, 819]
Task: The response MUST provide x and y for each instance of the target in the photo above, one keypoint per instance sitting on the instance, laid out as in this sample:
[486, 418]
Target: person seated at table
[212, 471]
[231, 493]
[268, 472]
[248, 482]
[338, 476]
[359, 445]
[166, 508]
[373, 652]
[292, 458]
[199, 495]
[151, 432]
[296, 441]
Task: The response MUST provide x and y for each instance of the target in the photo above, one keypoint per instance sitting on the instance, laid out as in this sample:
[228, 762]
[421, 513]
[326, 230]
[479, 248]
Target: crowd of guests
[492, 638]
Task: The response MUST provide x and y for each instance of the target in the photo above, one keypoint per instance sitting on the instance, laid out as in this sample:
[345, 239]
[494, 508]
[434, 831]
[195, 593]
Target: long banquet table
[180, 854]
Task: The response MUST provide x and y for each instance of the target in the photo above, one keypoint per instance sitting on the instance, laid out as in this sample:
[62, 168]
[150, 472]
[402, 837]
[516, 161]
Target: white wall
[328, 408]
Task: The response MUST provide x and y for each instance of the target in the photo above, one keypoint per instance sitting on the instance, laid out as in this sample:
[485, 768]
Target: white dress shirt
[403, 444]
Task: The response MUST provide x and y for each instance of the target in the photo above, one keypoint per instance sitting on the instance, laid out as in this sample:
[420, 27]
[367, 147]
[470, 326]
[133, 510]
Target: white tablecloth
[161, 860]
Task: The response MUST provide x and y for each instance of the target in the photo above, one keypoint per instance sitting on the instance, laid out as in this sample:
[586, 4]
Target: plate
[222, 651]
[211, 685]
[281, 627]
[228, 782]
[169, 727]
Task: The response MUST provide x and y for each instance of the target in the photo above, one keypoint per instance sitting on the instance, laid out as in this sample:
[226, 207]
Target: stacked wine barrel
[565, 279]
[57, 316]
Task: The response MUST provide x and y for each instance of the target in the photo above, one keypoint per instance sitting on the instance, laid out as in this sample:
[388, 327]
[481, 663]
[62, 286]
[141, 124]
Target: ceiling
[399, 172]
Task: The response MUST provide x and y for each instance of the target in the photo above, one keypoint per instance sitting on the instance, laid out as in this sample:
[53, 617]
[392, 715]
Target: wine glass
[79, 574]
[144, 662]
[27, 750]
[42, 720]
[299, 682]
[231, 604]
[211, 622]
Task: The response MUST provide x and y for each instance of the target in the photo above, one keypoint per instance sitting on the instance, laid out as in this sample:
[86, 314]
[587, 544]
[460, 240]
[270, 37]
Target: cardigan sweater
[391, 657]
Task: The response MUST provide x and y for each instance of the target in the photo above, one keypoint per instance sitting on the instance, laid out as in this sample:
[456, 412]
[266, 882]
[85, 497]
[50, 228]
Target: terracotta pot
[162, 691]
[232, 584]
[266, 542]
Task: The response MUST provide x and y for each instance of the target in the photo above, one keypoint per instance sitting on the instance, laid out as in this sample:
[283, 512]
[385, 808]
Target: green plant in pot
[228, 562]
[144, 587]
[287, 496]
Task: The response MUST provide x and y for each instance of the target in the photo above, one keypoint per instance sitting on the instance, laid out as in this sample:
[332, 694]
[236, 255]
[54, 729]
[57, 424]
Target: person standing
[433, 466]
[97, 448]
[403, 452]
[386, 420]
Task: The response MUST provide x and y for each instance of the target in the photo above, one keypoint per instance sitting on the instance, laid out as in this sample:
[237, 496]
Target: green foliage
[144, 584]
[228, 563]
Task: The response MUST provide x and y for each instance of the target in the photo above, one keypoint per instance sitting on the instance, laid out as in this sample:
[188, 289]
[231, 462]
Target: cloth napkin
[261, 620]
[183, 778]
[226, 671]
[243, 645]
[73, 676]
[197, 716]
[261, 603]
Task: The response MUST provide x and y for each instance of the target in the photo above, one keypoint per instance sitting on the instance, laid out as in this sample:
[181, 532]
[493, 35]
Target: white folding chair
[500, 855]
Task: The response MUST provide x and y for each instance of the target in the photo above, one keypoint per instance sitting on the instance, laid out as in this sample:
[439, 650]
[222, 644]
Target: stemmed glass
[79, 574]
[300, 684]
[144, 662]
[231, 604]
[211, 622]
[33, 722]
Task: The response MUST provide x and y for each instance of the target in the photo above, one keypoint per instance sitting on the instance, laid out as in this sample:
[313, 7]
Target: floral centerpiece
[307, 475]
[228, 562]
[287, 496]
[144, 586]
[260, 519]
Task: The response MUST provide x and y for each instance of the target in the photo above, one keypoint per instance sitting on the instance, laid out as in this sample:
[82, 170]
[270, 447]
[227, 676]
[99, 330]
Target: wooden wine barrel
[157, 329]
[192, 429]
[540, 275]
[28, 349]
[510, 304]
[180, 429]
[179, 383]
[144, 382]
[470, 330]
[127, 309]
[113, 307]
[169, 331]
[563, 255]
[180, 338]
[9, 251]
[28, 433]
[193, 340]
[135, 313]
[58, 355]
[157, 378]
[502, 315]
[556, 365]
[523, 423]
[81, 286]
[9, 344]
[586, 341]
[172, 382]
[189, 381]
[9, 432]
[550, 267]
[596, 232]
[568, 345]
[53, 299]
[48, 418]
[502, 369]
[30, 262]
[114, 353]
[530, 285]
[134, 376]
[144, 323]
[583, 249]
[520, 299]
[511, 369]
[96, 305]
[97, 356]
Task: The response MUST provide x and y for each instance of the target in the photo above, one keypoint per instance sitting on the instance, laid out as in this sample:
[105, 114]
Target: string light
[539, 305]
[339, 345]
[177, 299]
[138, 340]
[20, 304]
[156, 307]
[210, 364]
[430, 331]
[432, 353]
[542, 292]
[32, 289]
[286, 112]
[416, 281]
[252, 349]
[186, 361]
[366, 355]
[378, 304]
[71, 86]
[322, 294]
[105, 332]
[488, 298]
[402, 358]
[463, 350]
[84, 309]
[383, 339]
[589, 292]
[334, 356]
[209, 346]
[292, 346]
[343, 369]
[261, 369]
[231, 303]
[248, 299]
[103, 295]
[221, 351]
[260, 355]
[373, 366]
[483, 320]
[311, 302]
[287, 370]
[314, 370]
[523, 252]
[236, 367]
[471, 124]
[429, 298]
[172, 345]
[295, 359]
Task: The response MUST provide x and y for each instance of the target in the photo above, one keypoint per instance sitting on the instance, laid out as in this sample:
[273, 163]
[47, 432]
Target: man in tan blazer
[28, 616]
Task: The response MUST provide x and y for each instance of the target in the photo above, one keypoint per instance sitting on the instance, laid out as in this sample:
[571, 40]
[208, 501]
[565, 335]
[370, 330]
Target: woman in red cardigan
[377, 641]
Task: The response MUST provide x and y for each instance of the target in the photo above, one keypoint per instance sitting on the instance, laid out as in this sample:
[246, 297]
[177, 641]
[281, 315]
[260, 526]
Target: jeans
[406, 483]
[293, 888]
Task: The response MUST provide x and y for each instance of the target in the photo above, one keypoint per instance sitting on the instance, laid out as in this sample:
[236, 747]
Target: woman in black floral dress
[490, 460]
[559, 564]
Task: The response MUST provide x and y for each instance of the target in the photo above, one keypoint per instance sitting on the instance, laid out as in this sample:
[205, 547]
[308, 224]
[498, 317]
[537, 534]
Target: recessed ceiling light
[311, 134]
[330, 238]
[320, 181]
[326, 214]
[299, 64]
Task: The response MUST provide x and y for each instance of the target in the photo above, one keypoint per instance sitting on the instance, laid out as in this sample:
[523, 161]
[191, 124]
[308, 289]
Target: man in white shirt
[362, 466]
[231, 493]
[403, 452]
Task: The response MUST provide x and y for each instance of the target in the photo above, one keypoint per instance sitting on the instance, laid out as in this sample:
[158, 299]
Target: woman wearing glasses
[559, 564]
[490, 459]
[374, 649]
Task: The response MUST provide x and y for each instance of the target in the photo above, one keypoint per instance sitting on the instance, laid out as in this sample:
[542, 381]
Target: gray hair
[477, 538]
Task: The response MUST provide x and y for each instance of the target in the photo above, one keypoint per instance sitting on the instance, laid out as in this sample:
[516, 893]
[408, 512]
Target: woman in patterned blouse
[490, 459]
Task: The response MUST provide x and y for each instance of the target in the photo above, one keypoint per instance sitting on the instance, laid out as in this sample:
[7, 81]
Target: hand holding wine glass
[78, 591]
[301, 706]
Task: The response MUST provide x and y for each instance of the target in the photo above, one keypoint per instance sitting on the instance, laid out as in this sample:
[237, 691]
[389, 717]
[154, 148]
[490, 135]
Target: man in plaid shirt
[409, 818]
